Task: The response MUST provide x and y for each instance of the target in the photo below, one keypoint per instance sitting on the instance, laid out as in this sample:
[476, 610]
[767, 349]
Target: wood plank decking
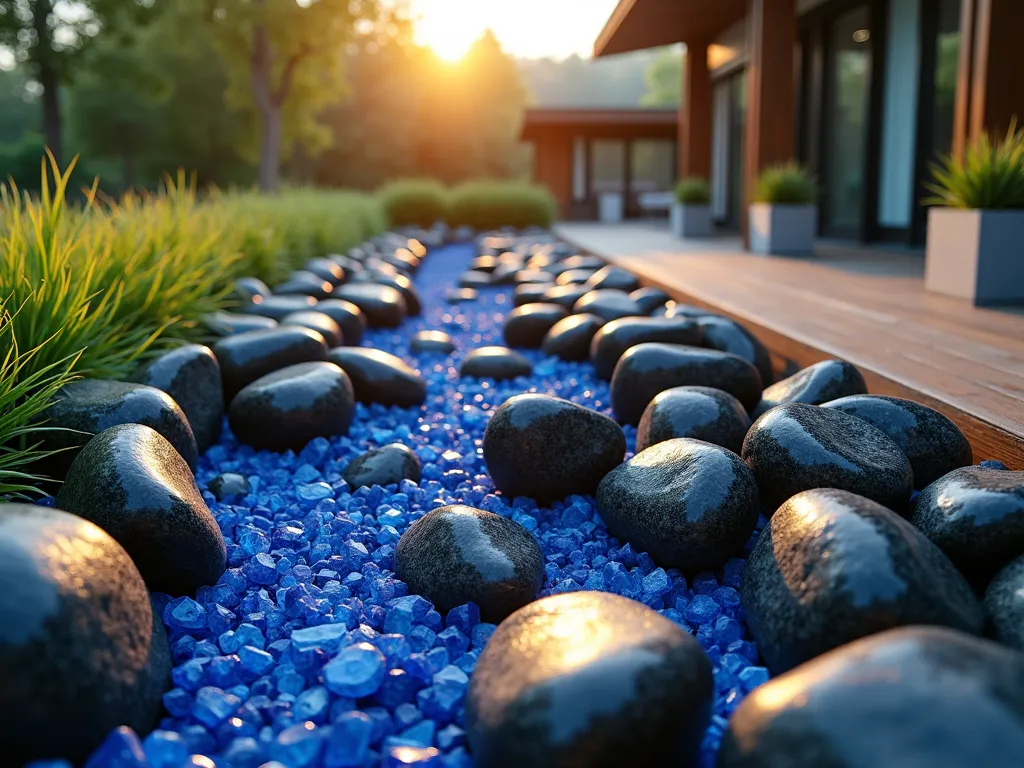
[869, 309]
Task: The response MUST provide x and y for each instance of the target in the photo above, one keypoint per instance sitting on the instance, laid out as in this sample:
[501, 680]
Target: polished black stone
[278, 307]
[526, 326]
[608, 304]
[575, 277]
[320, 322]
[326, 269]
[286, 409]
[483, 264]
[81, 651]
[413, 304]
[831, 567]
[190, 374]
[475, 280]
[230, 323]
[675, 309]
[380, 268]
[530, 293]
[926, 697]
[495, 363]
[509, 266]
[589, 679]
[614, 278]
[389, 465]
[648, 369]
[590, 263]
[403, 259]
[459, 295]
[379, 377]
[456, 555]
[349, 318]
[690, 504]
[1004, 604]
[87, 407]
[249, 356]
[431, 343]
[565, 295]
[975, 516]
[725, 335]
[569, 339]
[134, 485]
[245, 288]
[547, 448]
[649, 298]
[796, 447]
[612, 341]
[229, 486]
[933, 443]
[816, 384]
[701, 413]
[383, 305]
[303, 283]
[533, 277]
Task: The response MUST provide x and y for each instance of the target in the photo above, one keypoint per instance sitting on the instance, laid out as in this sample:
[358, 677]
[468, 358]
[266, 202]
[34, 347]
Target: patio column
[989, 95]
[771, 91]
[695, 114]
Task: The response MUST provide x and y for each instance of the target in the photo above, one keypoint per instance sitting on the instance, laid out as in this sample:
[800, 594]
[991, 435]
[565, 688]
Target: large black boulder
[926, 697]
[190, 374]
[796, 447]
[814, 385]
[547, 448]
[317, 321]
[975, 516]
[86, 407]
[286, 409]
[383, 305]
[527, 326]
[612, 341]
[725, 335]
[456, 554]
[134, 485]
[380, 377]
[701, 413]
[349, 318]
[250, 356]
[690, 504]
[831, 567]
[649, 298]
[569, 339]
[614, 278]
[933, 443]
[81, 651]
[648, 369]
[589, 679]
[608, 304]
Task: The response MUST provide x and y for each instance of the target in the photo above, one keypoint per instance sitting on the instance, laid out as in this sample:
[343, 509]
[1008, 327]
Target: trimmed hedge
[481, 205]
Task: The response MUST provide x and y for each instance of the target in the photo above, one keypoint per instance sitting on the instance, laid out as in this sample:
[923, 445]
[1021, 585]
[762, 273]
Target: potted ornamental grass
[691, 213]
[784, 216]
[975, 244]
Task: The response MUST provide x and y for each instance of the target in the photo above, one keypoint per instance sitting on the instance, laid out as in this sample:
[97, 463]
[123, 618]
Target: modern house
[866, 93]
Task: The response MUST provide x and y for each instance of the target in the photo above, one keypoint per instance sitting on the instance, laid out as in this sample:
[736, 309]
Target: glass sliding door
[847, 100]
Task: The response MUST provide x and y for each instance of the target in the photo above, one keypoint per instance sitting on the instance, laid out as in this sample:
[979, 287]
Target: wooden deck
[869, 309]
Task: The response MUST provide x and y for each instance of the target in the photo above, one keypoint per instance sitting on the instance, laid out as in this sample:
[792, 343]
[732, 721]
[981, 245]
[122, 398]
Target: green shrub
[414, 202]
[693, 191]
[786, 184]
[485, 205]
[989, 176]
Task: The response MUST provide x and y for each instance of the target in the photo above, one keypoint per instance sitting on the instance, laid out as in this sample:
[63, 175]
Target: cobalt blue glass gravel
[309, 652]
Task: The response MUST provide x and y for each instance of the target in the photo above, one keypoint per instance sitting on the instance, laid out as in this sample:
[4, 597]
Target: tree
[47, 36]
[286, 59]
[664, 80]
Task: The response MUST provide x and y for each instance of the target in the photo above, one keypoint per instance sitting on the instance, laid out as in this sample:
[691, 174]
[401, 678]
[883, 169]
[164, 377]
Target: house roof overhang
[638, 24]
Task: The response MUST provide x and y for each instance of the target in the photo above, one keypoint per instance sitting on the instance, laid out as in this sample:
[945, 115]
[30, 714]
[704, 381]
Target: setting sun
[525, 28]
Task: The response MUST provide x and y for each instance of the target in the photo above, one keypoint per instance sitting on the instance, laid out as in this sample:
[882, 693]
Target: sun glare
[449, 28]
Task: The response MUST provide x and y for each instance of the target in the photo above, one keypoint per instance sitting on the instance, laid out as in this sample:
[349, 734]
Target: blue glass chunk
[213, 706]
[356, 671]
[185, 613]
[349, 741]
[298, 746]
[327, 637]
[121, 749]
[421, 757]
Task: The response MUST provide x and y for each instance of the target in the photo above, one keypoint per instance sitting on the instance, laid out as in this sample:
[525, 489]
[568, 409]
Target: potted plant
[975, 234]
[783, 216]
[691, 213]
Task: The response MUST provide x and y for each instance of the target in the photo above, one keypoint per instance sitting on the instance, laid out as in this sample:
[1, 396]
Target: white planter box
[976, 255]
[788, 230]
[690, 220]
[610, 207]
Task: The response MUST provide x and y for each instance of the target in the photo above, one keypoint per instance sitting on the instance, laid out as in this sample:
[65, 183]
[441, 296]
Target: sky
[525, 28]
